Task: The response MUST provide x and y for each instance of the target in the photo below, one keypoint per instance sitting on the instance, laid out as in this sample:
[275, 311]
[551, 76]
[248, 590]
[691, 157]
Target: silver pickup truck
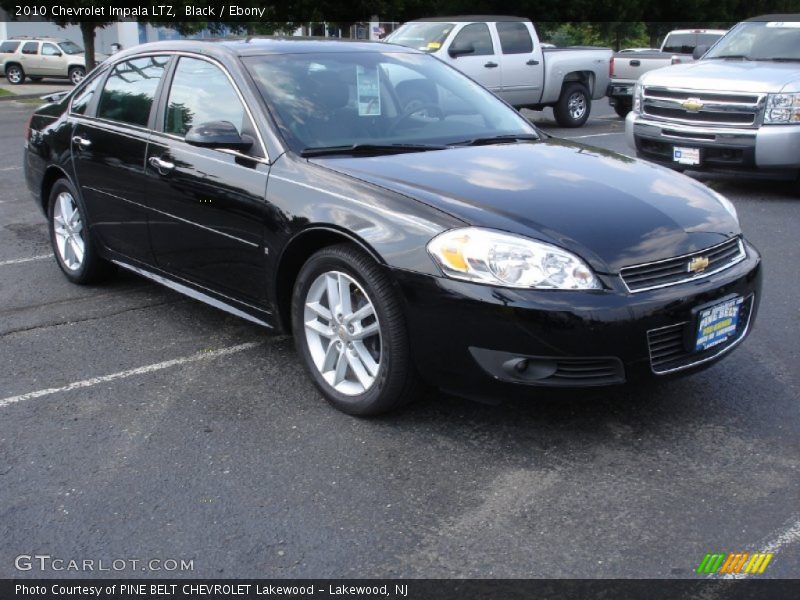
[626, 67]
[738, 108]
[505, 56]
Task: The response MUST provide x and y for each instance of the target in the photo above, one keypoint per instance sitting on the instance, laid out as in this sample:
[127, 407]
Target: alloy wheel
[343, 333]
[68, 228]
[576, 105]
[14, 75]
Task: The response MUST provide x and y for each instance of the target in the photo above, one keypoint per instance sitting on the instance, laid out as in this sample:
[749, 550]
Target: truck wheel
[15, 75]
[76, 75]
[574, 105]
[622, 110]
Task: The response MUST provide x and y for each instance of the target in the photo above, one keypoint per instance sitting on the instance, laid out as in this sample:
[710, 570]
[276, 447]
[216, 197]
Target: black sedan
[401, 222]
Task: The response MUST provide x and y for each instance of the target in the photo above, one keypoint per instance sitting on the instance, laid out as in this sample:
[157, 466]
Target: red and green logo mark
[734, 562]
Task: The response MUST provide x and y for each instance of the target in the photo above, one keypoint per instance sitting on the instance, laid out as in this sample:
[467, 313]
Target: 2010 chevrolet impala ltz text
[403, 223]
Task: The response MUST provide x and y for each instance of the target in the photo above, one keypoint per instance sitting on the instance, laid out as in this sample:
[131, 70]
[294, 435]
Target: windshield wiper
[739, 56]
[782, 59]
[498, 139]
[369, 149]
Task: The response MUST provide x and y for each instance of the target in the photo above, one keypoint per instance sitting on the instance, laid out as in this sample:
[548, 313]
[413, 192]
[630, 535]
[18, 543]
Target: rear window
[8, 47]
[685, 43]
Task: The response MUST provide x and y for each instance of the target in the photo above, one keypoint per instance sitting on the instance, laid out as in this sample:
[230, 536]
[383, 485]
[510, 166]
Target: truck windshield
[685, 43]
[760, 41]
[427, 37]
[373, 101]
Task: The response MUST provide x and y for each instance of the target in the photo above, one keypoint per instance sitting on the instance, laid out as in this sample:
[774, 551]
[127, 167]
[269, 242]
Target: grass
[31, 101]
[4, 92]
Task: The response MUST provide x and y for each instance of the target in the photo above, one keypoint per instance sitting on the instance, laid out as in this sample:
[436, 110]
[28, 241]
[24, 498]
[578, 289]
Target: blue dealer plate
[717, 323]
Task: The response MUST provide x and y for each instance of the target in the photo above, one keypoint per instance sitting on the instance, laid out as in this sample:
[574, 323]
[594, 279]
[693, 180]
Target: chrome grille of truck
[672, 271]
[703, 108]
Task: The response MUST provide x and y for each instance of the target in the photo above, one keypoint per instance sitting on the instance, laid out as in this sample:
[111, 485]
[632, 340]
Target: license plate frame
[686, 156]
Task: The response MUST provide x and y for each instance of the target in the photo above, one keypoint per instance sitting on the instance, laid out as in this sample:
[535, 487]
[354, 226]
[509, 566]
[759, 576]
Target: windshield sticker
[369, 97]
[784, 24]
[434, 45]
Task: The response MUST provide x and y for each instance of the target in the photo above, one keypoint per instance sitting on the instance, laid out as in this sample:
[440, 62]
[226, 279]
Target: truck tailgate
[632, 65]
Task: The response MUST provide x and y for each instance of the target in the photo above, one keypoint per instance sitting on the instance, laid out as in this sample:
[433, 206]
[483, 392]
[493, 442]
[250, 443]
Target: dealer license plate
[717, 324]
[686, 156]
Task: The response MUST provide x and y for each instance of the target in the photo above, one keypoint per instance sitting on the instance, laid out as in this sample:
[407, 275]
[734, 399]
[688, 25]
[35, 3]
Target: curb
[20, 97]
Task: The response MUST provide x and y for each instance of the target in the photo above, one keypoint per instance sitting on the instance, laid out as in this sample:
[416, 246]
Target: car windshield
[70, 48]
[427, 37]
[347, 99]
[760, 41]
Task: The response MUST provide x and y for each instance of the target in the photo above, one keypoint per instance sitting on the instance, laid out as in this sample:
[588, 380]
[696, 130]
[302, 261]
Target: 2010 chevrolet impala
[402, 222]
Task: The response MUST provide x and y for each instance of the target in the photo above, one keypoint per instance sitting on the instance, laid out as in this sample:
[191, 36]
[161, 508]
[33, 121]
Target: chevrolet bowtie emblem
[697, 264]
[692, 105]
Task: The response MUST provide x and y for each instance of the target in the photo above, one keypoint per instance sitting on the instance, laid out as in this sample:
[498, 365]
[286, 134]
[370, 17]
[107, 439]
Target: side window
[514, 38]
[200, 93]
[129, 91]
[30, 48]
[50, 50]
[8, 47]
[84, 97]
[477, 35]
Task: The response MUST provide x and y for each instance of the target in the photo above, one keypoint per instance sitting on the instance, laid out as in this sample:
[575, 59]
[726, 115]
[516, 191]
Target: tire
[76, 75]
[622, 111]
[567, 110]
[335, 372]
[67, 234]
[15, 74]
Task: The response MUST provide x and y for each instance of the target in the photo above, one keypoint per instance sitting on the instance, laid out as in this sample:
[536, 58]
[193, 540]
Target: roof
[769, 18]
[472, 19]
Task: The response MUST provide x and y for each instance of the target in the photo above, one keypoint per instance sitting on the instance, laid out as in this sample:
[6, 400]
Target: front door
[207, 205]
[52, 61]
[482, 64]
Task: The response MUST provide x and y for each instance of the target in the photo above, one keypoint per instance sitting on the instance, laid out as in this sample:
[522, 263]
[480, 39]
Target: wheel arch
[52, 174]
[587, 78]
[12, 63]
[295, 254]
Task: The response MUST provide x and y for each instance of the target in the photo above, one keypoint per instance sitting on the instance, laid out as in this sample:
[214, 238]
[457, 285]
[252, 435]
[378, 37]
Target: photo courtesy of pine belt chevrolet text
[407, 226]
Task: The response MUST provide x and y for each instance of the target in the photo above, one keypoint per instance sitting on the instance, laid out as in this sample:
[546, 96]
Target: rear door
[483, 64]
[522, 64]
[30, 59]
[207, 205]
[109, 147]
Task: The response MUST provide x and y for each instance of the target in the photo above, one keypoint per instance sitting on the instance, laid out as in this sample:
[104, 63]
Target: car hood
[609, 209]
[727, 76]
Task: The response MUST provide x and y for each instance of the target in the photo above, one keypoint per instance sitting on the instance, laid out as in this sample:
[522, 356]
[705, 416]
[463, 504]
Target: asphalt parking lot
[138, 424]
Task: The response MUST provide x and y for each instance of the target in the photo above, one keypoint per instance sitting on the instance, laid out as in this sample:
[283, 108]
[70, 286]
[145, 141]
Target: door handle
[491, 65]
[162, 166]
[635, 63]
[532, 61]
[82, 142]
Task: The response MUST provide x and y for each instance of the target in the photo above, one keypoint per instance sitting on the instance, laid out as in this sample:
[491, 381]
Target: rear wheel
[574, 105]
[350, 332]
[76, 75]
[71, 239]
[15, 75]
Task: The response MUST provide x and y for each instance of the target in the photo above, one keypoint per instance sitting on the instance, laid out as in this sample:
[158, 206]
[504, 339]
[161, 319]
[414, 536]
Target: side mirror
[456, 51]
[218, 134]
[699, 51]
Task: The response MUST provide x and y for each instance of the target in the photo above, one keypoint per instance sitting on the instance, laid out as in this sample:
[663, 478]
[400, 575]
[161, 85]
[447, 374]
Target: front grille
[668, 345]
[673, 271]
[716, 108]
[587, 371]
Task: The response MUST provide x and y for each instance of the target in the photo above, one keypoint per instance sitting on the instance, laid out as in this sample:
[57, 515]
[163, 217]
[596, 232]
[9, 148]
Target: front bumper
[769, 147]
[620, 93]
[467, 338]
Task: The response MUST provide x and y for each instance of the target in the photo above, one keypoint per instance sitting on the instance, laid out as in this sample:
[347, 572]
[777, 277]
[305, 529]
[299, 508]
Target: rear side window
[514, 38]
[130, 89]
[200, 93]
[477, 35]
[9, 47]
[30, 48]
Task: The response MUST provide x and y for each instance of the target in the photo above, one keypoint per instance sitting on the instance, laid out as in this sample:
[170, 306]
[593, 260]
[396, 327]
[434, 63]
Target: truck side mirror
[456, 51]
[699, 51]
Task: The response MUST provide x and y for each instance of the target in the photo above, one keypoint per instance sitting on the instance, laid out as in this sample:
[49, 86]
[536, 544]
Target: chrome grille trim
[664, 265]
[728, 109]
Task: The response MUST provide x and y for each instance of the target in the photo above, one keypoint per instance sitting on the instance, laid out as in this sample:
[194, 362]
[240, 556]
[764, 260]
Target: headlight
[727, 205]
[497, 258]
[637, 98]
[782, 108]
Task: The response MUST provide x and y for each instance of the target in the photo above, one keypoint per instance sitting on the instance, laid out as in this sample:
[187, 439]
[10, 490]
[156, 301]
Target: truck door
[522, 63]
[52, 61]
[30, 58]
[482, 63]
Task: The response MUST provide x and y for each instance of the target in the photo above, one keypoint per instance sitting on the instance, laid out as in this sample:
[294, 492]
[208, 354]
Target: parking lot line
[16, 261]
[788, 535]
[9, 169]
[206, 355]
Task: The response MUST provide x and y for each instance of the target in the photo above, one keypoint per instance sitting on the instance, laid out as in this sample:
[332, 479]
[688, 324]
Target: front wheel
[574, 105]
[76, 75]
[350, 332]
[15, 75]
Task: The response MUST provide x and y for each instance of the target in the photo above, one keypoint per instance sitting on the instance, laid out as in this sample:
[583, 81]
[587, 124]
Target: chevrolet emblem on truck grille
[697, 264]
[692, 104]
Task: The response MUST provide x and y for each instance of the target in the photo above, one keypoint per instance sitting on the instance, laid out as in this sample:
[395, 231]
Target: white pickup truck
[627, 67]
[505, 56]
